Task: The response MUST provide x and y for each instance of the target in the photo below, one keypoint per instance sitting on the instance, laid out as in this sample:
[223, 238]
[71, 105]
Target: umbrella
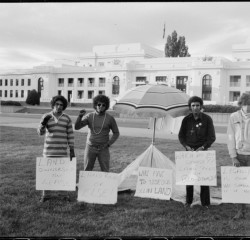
[153, 100]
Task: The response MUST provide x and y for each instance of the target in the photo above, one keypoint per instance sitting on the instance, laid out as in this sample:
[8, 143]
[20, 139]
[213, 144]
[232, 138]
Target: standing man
[98, 141]
[59, 132]
[238, 143]
[197, 134]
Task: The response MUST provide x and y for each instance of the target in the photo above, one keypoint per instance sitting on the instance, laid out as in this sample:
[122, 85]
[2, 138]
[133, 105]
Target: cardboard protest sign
[196, 168]
[98, 187]
[56, 174]
[154, 183]
[235, 184]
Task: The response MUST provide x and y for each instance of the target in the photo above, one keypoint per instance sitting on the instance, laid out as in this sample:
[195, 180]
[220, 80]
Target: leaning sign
[196, 168]
[55, 174]
[235, 184]
[154, 183]
[98, 187]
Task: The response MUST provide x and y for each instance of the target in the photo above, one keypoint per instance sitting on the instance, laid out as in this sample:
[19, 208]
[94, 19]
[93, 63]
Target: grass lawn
[22, 215]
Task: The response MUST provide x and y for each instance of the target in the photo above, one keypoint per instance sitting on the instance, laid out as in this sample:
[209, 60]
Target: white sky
[34, 33]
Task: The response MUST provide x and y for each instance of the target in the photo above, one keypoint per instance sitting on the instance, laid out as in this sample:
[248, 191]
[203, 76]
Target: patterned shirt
[59, 135]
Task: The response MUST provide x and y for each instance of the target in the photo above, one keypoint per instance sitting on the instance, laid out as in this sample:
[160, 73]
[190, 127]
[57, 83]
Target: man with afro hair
[98, 140]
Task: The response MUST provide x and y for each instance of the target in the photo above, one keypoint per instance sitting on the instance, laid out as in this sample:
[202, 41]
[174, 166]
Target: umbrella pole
[153, 142]
[153, 139]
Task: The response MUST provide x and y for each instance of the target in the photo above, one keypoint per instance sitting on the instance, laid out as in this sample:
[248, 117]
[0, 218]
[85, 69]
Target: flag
[164, 31]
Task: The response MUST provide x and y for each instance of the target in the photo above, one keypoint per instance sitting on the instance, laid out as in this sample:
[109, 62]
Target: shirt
[59, 135]
[238, 133]
[197, 133]
[99, 128]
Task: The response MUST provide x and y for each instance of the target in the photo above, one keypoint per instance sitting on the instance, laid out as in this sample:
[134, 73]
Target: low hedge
[10, 103]
[220, 108]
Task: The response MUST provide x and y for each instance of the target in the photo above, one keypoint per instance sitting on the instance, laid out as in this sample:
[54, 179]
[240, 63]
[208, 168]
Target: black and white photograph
[124, 120]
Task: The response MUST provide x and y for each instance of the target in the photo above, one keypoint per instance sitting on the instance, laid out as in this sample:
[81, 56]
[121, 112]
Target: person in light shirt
[100, 124]
[238, 143]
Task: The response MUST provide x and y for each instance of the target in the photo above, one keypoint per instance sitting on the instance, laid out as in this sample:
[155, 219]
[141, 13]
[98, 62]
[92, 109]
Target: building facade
[113, 69]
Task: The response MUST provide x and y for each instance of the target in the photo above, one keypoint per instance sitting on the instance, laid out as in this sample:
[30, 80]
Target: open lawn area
[22, 215]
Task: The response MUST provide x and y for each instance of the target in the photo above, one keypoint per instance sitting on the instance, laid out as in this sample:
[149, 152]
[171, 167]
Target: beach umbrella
[153, 100]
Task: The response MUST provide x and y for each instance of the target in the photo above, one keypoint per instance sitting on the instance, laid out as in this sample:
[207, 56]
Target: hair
[102, 99]
[244, 99]
[59, 98]
[195, 99]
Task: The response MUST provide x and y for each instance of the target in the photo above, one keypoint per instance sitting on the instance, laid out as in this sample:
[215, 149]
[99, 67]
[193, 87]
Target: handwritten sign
[235, 184]
[154, 183]
[55, 174]
[196, 168]
[98, 187]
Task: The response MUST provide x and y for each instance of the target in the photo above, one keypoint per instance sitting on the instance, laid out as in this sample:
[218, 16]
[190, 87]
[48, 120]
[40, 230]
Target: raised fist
[82, 112]
[46, 119]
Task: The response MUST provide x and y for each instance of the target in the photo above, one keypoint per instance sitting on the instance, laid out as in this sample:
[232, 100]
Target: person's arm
[79, 123]
[210, 134]
[231, 142]
[115, 132]
[43, 123]
[71, 139]
[182, 135]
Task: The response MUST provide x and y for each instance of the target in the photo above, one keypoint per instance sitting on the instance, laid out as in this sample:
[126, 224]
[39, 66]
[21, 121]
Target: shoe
[44, 199]
[239, 215]
[187, 205]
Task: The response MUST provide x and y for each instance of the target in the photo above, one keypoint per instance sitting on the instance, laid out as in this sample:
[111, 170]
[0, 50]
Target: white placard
[196, 168]
[154, 183]
[56, 174]
[235, 184]
[98, 187]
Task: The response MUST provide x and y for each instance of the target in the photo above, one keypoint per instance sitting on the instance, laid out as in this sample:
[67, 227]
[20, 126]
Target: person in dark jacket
[197, 134]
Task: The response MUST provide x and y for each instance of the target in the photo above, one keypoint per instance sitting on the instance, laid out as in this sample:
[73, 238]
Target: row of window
[11, 82]
[12, 93]
[90, 83]
[80, 94]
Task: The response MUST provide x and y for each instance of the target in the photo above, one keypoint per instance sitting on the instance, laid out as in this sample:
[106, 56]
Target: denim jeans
[92, 153]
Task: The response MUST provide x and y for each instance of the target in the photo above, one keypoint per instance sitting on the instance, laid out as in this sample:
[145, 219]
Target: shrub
[33, 98]
[220, 108]
[10, 103]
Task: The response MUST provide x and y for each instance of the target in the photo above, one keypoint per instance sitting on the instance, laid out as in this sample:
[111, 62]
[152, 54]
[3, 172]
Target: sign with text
[235, 184]
[98, 187]
[56, 174]
[154, 183]
[196, 168]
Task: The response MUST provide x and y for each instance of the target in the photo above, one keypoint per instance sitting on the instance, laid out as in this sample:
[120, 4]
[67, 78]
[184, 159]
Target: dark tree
[176, 47]
[33, 98]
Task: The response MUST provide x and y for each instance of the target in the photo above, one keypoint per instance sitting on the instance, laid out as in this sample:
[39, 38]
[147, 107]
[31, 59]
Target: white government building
[113, 69]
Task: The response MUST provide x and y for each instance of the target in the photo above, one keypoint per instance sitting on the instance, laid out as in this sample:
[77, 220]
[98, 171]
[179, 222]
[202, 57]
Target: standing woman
[58, 131]
[238, 143]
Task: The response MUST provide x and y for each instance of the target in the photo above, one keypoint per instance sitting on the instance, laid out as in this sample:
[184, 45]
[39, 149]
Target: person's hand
[236, 162]
[82, 112]
[106, 145]
[46, 119]
[200, 149]
[71, 154]
[189, 148]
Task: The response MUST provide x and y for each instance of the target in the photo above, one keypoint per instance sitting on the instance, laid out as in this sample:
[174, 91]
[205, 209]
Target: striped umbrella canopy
[153, 101]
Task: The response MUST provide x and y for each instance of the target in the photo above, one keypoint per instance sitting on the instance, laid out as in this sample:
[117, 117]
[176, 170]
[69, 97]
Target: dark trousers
[204, 195]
